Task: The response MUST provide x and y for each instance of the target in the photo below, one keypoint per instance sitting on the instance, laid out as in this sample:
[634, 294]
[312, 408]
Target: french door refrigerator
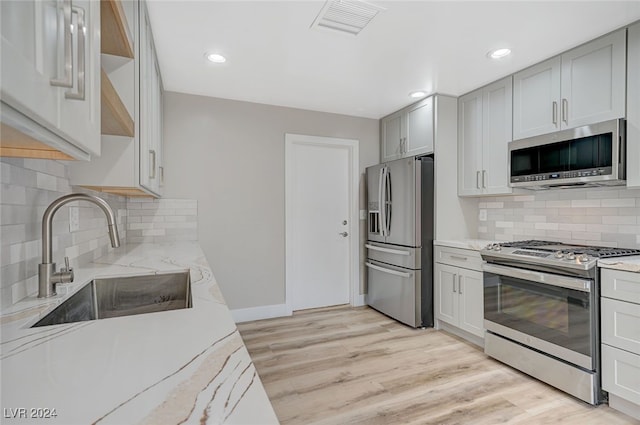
[400, 239]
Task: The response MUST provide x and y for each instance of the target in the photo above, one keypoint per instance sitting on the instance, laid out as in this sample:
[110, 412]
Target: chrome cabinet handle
[152, 169]
[161, 175]
[454, 283]
[82, 34]
[67, 79]
[565, 111]
[484, 179]
[459, 285]
[457, 257]
[478, 179]
[554, 113]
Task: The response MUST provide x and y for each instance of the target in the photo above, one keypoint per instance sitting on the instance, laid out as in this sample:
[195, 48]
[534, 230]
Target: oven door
[551, 313]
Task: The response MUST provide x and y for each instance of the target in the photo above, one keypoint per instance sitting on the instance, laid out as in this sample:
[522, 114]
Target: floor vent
[348, 16]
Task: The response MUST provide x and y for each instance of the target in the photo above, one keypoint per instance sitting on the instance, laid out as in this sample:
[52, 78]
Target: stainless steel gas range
[542, 311]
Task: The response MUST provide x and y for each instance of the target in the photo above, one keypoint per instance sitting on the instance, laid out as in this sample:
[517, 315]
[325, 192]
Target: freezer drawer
[401, 256]
[395, 292]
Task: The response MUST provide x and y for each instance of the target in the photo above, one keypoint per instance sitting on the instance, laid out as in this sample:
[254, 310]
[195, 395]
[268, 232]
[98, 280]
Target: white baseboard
[262, 312]
[358, 300]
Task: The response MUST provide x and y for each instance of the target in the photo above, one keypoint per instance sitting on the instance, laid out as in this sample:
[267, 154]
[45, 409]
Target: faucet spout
[47, 276]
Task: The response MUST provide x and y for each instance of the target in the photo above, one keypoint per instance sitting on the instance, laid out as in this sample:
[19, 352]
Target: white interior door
[319, 222]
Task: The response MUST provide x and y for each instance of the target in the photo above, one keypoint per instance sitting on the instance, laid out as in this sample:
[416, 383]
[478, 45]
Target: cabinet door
[633, 106]
[31, 52]
[80, 105]
[621, 373]
[419, 128]
[149, 106]
[536, 99]
[471, 309]
[496, 129]
[470, 143]
[593, 81]
[392, 135]
[445, 293]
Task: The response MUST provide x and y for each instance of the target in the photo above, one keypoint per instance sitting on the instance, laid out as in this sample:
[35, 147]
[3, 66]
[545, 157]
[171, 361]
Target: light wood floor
[356, 366]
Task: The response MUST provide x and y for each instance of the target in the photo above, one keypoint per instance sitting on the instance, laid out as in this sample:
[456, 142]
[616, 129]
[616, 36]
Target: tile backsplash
[28, 186]
[162, 220]
[594, 216]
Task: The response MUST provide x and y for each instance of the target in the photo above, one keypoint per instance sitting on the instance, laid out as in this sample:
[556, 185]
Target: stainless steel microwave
[592, 155]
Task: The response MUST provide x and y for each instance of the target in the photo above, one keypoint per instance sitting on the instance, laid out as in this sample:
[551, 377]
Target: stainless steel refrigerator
[400, 240]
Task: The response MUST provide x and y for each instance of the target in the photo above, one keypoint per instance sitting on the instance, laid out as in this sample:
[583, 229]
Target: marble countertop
[630, 264]
[474, 244]
[180, 366]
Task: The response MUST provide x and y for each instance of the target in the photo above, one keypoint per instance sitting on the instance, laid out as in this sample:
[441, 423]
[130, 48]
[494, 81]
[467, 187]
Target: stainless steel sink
[123, 296]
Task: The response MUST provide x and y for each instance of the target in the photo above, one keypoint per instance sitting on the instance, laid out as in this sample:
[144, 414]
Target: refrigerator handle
[386, 270]
[380, 202]
[387, 201]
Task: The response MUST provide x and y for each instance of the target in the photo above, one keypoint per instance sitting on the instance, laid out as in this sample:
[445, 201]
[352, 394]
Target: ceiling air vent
[349, 16]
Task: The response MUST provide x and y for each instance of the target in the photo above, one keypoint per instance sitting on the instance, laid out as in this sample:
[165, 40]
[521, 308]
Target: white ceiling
[274, 57]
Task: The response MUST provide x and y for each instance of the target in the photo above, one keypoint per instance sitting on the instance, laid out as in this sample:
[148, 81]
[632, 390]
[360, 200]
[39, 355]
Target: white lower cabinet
[620, 324]
[458, 290]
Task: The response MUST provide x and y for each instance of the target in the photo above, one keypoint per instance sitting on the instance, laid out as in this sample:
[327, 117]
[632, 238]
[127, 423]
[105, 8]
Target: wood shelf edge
[132, 192]
[115, 39]
[115, 119]
[16, 144]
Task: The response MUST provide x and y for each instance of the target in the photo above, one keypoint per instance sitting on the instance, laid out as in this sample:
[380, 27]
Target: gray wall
[229, 156]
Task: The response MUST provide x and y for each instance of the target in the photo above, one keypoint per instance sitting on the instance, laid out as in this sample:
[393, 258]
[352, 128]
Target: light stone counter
[180, 366]
[474, 244]
[630, 264]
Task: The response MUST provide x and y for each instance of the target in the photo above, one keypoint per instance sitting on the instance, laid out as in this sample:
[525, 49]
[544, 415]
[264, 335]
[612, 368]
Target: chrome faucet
[48, 278]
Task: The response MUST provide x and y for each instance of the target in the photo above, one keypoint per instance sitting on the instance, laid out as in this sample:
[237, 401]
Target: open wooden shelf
[115, 39]
[16, 144]
[131, 192]
[115, 119]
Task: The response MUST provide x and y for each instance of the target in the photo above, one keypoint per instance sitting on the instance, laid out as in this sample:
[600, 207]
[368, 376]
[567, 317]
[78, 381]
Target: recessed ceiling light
[499, 53]
[215, 58]
[418, 93]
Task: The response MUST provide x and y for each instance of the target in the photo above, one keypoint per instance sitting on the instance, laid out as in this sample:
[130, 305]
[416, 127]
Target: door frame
[352, 146]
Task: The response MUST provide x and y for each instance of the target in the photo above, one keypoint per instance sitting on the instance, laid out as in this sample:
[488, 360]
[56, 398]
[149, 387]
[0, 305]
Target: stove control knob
[570, 256]
[559, 254]
[497, 248]
[583, 258]
[489, 247]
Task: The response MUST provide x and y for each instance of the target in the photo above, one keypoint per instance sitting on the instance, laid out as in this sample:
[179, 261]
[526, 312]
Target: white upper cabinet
[536, 93]
[419, 139]
[484, 131]
[131, 164]
[55, 47]
[392, 136]
[408, 132]
[633, 106]
[150, 109]
[583, 86]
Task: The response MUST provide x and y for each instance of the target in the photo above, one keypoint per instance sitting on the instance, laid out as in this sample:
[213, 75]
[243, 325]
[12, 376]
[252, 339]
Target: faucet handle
[66, 265]
[65, 275]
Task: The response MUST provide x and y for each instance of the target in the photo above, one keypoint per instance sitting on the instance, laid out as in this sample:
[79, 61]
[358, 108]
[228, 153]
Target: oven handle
[582, 285]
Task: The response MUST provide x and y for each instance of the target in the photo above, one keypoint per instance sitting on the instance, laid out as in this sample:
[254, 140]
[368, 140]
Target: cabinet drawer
[620, 285]
[466, 258]
[621, 373]
[621, 324]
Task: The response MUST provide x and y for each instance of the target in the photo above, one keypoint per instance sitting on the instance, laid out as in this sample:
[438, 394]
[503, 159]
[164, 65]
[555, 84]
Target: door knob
[344, 234]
